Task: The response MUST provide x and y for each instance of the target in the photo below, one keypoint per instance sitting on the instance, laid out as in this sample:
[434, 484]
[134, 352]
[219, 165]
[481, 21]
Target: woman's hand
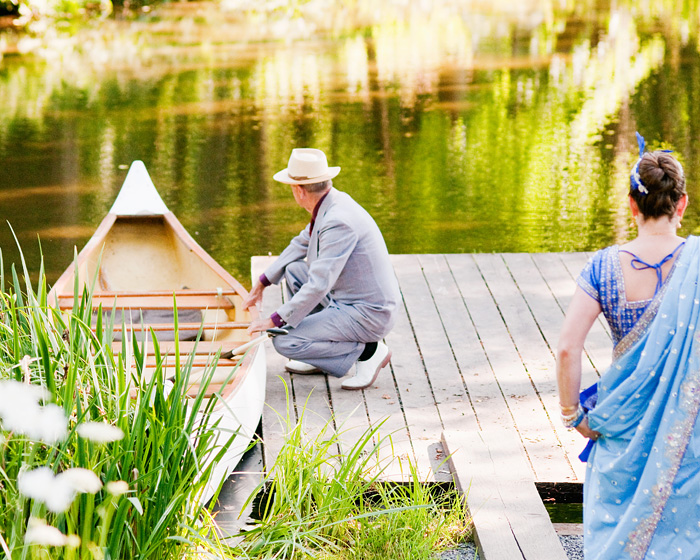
[585, 430]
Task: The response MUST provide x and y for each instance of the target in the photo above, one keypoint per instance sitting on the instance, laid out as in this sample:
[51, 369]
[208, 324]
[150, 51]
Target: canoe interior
[141, 266]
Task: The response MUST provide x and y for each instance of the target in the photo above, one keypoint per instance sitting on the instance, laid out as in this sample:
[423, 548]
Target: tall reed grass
[147, 443]
[326, 497]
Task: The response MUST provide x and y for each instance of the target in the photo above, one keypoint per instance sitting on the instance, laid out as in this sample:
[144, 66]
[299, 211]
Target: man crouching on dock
[342, 293]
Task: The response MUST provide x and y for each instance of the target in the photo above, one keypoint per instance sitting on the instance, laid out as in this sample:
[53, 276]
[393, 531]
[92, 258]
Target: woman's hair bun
[663, 177]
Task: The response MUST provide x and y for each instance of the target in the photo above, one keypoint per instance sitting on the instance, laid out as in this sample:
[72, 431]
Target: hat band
[305, 178]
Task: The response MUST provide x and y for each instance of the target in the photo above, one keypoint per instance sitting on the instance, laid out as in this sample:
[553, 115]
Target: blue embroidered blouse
[602, 279]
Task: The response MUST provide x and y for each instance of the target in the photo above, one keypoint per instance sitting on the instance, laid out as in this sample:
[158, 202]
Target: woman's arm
[579, 319]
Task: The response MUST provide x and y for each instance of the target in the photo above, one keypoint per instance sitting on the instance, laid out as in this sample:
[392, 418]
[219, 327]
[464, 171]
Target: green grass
[321, 503]
[160, 457]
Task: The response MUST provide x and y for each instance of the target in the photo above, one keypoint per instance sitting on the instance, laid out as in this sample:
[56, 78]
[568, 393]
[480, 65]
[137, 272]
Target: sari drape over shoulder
[642, 490]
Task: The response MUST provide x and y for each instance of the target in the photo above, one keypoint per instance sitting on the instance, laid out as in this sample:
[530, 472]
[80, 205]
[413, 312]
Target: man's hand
[254, 296]
[260, 325]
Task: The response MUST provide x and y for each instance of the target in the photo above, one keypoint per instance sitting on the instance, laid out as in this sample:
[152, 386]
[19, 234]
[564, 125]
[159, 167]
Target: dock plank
[548, 317]
[398, 398]
[539, 363]
[519, 393]
[482, 386]
[277, 415]
[474, 476]
[384, 409]
[446, 383]
[544, 307]
[493, 476]
[489, 410]
[312, 403]
[418, 401]
[350, 415]
[446, 320]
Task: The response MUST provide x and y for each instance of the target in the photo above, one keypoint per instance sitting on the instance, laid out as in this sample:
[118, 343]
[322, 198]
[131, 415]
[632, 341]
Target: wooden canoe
[142, 260]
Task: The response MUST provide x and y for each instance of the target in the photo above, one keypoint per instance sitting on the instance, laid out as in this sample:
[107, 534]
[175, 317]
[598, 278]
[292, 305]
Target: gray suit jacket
[348, 260]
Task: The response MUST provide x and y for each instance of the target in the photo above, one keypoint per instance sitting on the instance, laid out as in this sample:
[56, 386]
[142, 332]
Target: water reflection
[460, 128]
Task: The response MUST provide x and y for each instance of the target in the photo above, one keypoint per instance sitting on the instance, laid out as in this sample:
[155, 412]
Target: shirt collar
[315, 212]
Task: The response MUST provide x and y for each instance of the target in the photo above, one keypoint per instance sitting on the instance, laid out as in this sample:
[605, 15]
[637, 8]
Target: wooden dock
[472, 374]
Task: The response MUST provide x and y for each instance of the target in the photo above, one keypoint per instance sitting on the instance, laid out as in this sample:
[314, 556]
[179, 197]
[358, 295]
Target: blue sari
[642, 490]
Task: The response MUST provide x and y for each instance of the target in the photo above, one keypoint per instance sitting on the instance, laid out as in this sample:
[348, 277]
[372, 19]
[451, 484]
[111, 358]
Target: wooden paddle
[243, 348]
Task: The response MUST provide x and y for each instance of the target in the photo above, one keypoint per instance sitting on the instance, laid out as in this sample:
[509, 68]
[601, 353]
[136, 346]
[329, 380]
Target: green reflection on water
[459, 131]
[565, 513]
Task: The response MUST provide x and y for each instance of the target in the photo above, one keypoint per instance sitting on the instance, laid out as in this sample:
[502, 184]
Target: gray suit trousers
[328, 337]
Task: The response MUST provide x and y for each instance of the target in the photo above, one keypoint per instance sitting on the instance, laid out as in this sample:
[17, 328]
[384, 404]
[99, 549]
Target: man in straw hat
[342, 293]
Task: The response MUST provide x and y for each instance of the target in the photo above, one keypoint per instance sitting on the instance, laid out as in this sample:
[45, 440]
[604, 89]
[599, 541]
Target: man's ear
[301, 191]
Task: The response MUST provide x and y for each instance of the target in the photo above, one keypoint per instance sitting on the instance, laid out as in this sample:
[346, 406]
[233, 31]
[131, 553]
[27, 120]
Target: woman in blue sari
[642, 488]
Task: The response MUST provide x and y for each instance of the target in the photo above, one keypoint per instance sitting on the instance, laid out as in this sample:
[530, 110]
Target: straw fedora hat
[306, 166]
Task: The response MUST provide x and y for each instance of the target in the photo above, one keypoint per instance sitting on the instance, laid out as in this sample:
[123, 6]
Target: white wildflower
[99, 432]
[73, 541]
[81, 480]
[50, 424]
[15, 395]
[117, 487]
[21, 412]
[41, 533]
[57, 491]
[35, 483]
[40, 484]
[38, 532]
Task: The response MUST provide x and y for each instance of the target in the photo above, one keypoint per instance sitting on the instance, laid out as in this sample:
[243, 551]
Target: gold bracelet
[565, 409]
[572, 420]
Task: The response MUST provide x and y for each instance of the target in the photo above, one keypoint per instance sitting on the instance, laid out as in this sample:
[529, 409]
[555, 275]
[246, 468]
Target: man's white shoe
[366, 372]
[295, 366]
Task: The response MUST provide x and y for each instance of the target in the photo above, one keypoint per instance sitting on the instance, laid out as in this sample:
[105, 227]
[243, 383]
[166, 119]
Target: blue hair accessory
[635, 179]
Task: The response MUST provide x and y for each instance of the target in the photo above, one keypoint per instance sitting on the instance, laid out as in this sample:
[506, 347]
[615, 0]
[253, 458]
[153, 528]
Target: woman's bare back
[641, 282]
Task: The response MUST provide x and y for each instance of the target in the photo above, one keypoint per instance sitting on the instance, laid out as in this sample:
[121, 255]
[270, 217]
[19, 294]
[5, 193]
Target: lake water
[460, 126]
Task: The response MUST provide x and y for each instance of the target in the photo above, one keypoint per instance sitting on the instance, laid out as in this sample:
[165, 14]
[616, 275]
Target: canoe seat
[189, 321]
[224, 377]
[199, 348]
[184, 299]
[209, 310]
